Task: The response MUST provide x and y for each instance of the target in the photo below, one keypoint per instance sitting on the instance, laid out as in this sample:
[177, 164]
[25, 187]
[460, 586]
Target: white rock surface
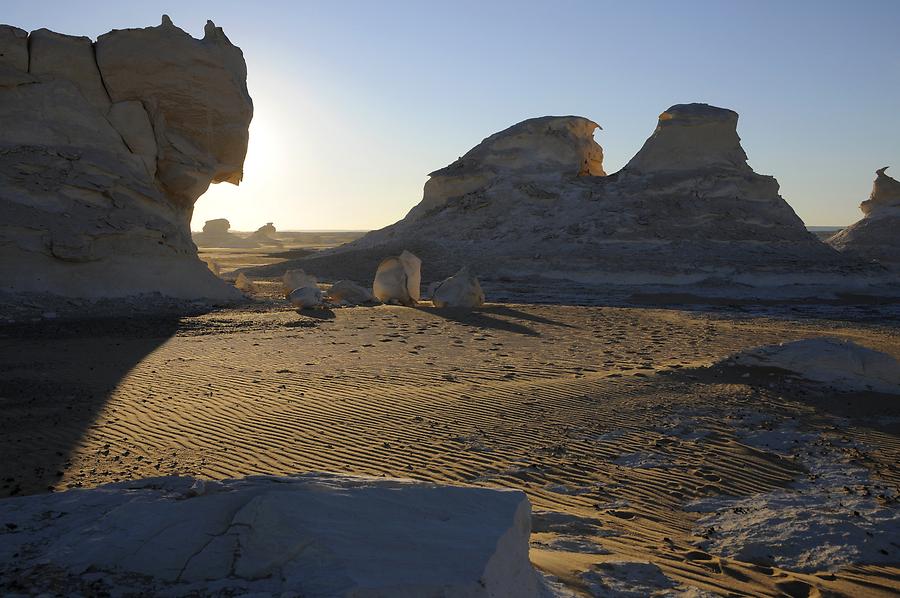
[875, 236]
[530, 208]
[305, 297]
[399, 279]
[460, 290]
[315, 535]
[69, 58]
[96, 194]
[839, 363]
[827, 520]
[350, 293]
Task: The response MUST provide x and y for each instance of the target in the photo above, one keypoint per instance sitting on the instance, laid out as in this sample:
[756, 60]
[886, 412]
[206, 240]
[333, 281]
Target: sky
[356, 102]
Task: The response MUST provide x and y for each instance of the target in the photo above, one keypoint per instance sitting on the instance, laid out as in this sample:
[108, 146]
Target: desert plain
[632, 441]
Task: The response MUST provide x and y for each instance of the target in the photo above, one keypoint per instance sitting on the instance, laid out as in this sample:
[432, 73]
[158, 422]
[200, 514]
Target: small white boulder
[306, 297]
[460, 290]
[347, 291]
[399, 279]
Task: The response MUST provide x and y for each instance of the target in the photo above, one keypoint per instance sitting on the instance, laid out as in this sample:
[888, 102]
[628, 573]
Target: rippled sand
[606, 417]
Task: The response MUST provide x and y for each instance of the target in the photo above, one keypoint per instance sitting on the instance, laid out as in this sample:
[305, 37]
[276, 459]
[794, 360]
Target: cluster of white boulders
[398, 281]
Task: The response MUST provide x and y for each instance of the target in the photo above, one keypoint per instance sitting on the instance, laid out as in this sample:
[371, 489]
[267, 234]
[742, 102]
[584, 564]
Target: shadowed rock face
[532, 205]
[875, 236]
[105, 148]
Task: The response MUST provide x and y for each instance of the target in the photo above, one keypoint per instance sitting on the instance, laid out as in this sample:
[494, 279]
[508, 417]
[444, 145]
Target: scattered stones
[460, 290]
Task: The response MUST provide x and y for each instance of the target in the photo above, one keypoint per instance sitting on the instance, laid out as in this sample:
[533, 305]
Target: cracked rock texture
[105, 148]
[531, 208]
[875, 236]
[314, 535]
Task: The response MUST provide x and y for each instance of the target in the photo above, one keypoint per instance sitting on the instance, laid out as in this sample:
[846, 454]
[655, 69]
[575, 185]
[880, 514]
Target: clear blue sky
[357, 101]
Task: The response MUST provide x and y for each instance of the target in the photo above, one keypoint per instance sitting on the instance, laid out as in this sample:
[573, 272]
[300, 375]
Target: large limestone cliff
[532, 208]
[875, 237]
[105, 148]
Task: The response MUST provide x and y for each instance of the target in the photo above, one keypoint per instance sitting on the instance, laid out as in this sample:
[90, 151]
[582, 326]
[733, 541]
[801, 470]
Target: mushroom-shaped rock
[305, 297]
[295, 279]
[219, 226]
[267, 229]
[691, 137]
[347, 291]
[172, 74]
[105, 148]
[398, 279]
[875, 236]
[460, 290]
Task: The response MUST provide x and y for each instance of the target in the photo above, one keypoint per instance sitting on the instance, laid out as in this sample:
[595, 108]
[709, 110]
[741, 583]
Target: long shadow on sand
[483, 317]
[55, 379]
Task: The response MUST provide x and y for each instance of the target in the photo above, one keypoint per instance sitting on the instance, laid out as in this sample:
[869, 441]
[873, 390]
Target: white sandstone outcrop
[217, 233]
[839, 363]
[314, 535]
[105, 148]
[349, 293]
[531, 210]
[875, 237]
[398, 279]
[460, 290]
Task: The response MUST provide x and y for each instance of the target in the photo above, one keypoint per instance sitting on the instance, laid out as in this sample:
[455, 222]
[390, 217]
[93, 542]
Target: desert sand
[631, 444]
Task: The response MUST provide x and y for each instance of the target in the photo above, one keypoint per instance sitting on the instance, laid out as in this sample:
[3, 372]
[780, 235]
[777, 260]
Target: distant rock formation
[216, 234]
[532, 206]
[105, 148]
[263, 235]
[302, 535]
[876, 236]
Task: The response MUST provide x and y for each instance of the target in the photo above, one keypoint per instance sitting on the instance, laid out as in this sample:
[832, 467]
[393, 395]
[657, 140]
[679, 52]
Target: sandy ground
[642, 463]
[599, 414]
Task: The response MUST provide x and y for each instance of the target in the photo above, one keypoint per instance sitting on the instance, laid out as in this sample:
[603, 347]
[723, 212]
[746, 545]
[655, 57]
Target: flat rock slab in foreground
[312, 535]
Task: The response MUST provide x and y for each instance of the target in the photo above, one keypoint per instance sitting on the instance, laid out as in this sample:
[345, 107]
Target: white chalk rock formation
[532, 206]
[552, 146]
[398, 279]
[295, 279]
[306, 297]
[313, 535]
[460, 290]
[217, 233]
[875, 237]
[105, 148]
[349, 293]
[263, 235]
[839, 363]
